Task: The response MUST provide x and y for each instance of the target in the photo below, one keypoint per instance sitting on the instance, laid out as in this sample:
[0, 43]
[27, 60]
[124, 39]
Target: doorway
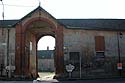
[45, 54]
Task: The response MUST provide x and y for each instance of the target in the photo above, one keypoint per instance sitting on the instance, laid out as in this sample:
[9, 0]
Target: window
[99, 43]
[99, 46]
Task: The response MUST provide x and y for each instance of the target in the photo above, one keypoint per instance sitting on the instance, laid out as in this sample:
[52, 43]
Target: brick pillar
[59, 51]
[18, 49]
[36, 60]
[19, 56]
[23, 56]
[21, 61]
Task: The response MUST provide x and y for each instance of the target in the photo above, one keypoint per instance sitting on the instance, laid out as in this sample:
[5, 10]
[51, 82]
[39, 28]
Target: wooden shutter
[99, 43]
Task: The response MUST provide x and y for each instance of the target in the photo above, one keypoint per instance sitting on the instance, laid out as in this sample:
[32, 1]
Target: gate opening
[46, 53]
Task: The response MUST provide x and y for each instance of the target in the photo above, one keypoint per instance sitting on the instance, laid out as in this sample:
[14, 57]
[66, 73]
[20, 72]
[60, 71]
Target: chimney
[47, 47]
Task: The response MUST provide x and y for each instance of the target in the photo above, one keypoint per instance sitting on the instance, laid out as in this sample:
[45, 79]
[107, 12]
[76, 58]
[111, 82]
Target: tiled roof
[7, 23]
[94, 24]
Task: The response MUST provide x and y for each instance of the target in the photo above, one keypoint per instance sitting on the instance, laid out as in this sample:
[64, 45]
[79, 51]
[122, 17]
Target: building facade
[95, 47]
[45, 60]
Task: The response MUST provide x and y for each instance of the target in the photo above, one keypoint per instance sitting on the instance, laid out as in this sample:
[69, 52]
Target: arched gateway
[28, 31]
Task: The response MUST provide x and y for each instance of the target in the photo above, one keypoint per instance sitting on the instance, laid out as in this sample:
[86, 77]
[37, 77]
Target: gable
[38, 12]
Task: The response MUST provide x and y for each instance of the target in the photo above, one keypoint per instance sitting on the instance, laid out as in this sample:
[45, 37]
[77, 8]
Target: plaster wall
[7, 56]
[83, 41]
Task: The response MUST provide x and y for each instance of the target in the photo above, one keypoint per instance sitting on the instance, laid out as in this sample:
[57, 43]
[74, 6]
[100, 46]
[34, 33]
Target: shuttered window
[99, 47]
[99, 44]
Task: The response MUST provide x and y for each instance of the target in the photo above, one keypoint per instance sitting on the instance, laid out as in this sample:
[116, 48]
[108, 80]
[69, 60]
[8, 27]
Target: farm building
[94, 47]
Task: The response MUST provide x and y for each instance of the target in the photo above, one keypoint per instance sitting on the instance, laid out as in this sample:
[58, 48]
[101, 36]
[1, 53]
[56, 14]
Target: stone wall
[7, 48]
[88, 64]
[82, 42]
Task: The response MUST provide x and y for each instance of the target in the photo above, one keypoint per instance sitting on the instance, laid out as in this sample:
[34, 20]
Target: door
[74, 59]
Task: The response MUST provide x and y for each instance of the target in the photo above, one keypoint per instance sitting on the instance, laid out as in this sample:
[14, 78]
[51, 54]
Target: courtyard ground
[46, 76]
[73, 81]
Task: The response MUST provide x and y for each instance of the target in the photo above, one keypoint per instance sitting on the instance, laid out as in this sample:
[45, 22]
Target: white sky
[67, 8]
[16, 9]
[46, 41]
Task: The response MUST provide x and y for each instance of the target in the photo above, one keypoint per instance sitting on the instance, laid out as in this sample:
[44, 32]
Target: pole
[119, 59]
[39, 2]
[2, 23]
[3, 9]
[70, 74]
[8, 55]
[80, 66]
[2, 15]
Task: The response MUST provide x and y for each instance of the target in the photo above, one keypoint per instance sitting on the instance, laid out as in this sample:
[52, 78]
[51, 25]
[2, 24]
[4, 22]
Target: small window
[100, 54]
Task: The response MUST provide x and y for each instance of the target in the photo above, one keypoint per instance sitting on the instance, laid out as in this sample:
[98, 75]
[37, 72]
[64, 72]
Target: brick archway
[22, 61]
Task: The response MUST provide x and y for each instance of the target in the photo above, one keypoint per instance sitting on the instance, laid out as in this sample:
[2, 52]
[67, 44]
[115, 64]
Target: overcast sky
[46, 41]
[16, 9]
